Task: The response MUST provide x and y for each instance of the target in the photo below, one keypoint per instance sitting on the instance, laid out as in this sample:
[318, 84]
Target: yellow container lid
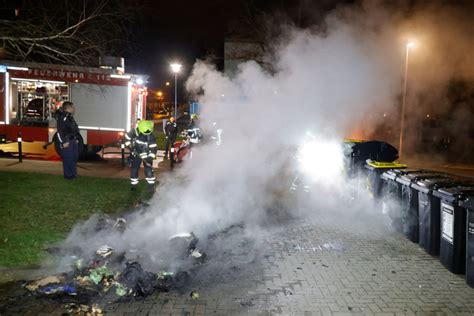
[386, 165]
[349, 140]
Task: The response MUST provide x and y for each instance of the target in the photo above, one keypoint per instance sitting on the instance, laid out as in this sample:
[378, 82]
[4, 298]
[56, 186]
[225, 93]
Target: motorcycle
[182, 149]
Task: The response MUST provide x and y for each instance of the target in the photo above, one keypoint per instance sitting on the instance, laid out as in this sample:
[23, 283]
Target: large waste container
[452, 252]
[375, 171]
[374, 150]
[409, 202]
[468, 204]
[390, 186]
[429, 211]
[350, 170]
[392, 195]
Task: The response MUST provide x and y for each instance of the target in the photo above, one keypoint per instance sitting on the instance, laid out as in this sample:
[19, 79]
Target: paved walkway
[107, 168]
[338, 264]
[324, 268]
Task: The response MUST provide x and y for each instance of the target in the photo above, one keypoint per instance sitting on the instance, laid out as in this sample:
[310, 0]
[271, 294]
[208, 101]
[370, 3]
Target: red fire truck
[108, 102]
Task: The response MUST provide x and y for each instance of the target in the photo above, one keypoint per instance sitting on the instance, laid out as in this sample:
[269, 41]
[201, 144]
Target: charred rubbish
[91, 285]
[97, 284]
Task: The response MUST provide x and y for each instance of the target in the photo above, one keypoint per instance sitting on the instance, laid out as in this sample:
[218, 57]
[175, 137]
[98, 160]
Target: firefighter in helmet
[193, 131]
[143, 148]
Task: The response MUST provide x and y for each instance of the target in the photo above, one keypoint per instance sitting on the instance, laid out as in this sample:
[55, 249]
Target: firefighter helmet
[194, 116]
[145, 127]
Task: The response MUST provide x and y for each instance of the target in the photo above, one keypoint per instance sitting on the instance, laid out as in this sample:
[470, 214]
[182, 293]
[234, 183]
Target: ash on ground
[96, 281]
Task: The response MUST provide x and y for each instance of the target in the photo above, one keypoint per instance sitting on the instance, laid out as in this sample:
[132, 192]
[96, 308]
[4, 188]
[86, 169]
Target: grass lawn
[39, 209]
[161, 140]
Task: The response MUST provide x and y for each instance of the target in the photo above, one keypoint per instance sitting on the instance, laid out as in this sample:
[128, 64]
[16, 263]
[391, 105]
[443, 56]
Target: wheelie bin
[392, 195]
[429, 211]
[409, 202]
[452, 252]
[468, 204]
[373, 150]
[389, 184]
[375, 171]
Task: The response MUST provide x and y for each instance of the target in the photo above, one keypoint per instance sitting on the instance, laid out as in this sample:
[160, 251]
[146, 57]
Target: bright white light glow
[111, 129]
[120, 76]
[129, 107]
[175, 67]
[320, 159]
[38, 80]
[97, 128]
[89, 127]
[17, 68]
[410, 44]
[139, 81]
[7, 98]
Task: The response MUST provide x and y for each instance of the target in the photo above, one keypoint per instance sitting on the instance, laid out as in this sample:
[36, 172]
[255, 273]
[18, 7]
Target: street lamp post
[402, 121]
[175, 68]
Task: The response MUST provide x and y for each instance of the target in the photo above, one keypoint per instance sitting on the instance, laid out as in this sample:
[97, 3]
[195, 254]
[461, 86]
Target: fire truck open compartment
[108, 102]
[34, 102]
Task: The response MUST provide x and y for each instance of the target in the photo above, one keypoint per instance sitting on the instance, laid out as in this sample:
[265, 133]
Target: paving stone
[323, 267]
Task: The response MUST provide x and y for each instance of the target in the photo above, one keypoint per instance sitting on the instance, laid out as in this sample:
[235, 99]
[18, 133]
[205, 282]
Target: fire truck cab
[108, 102]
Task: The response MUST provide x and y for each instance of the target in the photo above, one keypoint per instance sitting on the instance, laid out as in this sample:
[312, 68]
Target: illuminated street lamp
[402, 121]
[167, 83]
[175, 68]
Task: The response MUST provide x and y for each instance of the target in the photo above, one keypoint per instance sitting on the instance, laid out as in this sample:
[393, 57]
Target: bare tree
[67, 31]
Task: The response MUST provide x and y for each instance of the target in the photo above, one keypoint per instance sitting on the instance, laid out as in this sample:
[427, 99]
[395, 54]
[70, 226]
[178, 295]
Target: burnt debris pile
[101, 264]
[109, 276]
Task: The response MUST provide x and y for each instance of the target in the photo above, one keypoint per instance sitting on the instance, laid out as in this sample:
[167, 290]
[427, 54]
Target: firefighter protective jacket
[141, 145]
[171, 130]
[67, 127]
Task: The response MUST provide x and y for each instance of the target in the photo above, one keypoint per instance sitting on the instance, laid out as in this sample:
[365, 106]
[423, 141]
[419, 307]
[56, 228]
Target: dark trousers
[70, 156]
[169, 144]
[135, 167]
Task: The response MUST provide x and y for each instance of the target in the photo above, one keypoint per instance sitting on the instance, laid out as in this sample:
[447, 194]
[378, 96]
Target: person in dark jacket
[171, 132]
[143, 148]
[68, 136]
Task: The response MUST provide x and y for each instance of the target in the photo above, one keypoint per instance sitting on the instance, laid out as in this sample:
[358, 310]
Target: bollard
[20, 149]
[122, 148]
[172, 157]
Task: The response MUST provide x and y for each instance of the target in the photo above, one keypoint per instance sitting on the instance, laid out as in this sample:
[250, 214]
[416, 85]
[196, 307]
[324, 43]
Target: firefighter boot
[134, 179]
[151, 188]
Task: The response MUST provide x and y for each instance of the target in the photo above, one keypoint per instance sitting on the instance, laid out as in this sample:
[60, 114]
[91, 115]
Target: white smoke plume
[322, 82]
[440, 79]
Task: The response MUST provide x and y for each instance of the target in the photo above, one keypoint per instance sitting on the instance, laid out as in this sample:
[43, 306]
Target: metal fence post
[20, 149]
[122, 149]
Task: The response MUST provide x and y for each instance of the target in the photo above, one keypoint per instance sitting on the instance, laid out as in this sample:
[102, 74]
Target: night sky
[181, 31]
[185, 30]
[165, 31]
